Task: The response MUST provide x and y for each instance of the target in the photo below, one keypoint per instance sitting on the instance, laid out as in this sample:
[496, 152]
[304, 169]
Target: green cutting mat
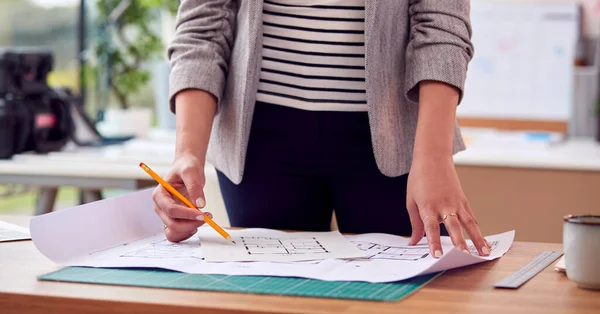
[158, 278]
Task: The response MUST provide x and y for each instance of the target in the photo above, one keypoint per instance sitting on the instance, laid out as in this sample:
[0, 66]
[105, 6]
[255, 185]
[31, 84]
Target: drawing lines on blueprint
[266, 245]
[402, 253]
[167, 249]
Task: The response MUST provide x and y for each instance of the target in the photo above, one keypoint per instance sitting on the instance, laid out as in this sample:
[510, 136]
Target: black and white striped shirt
[313, 54]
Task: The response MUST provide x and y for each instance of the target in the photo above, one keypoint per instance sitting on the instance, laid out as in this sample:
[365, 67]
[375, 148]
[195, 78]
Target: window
[54, 25]
[48, 24]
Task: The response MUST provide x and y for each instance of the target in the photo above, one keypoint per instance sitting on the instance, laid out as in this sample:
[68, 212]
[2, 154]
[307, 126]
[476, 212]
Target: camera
[33, 116]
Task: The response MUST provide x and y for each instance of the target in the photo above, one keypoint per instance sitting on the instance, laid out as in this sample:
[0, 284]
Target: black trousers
[301, 165]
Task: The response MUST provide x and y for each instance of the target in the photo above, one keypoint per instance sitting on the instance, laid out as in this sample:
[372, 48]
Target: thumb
[418, 229]
[193, 179]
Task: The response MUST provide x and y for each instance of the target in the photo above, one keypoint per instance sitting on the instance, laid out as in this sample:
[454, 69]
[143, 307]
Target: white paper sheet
[10, 232]
[66, 234]
[123, 232]
[264, 245]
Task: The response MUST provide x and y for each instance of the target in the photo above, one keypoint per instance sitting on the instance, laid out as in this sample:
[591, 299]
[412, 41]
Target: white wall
[591, 16]
[591, 13]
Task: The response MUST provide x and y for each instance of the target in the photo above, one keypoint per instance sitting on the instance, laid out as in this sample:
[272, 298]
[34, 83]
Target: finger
[468, 209]
[175, 237]
[162, 198]
[194, 183]
[469, 223]
[418, 229]
[165, 202]
[432, 230]
[177, 230]
[177, 211]
[454, 229]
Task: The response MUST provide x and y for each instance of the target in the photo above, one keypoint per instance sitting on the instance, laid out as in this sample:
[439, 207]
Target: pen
[184, 200]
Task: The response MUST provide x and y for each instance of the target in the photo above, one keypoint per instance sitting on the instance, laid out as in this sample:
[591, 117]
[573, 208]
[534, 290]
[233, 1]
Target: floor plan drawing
[406, 253]
[167, 249]
[403, 253]
[267, 245]
[153, 247]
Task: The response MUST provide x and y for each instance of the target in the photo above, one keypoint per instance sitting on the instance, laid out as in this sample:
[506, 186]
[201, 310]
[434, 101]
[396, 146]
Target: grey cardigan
[217, 48]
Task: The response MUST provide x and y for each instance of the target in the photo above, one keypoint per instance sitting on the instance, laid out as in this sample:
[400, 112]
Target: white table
[574, 154]
[117, 167]
[92, 169]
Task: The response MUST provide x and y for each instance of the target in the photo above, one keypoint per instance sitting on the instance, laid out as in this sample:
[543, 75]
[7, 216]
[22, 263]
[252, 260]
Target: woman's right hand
[186, 176]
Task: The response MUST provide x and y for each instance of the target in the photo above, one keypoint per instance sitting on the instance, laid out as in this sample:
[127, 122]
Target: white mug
[581, 241]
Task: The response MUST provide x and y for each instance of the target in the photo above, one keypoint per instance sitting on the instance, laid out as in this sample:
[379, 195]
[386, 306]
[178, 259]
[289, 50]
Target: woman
[316, 105]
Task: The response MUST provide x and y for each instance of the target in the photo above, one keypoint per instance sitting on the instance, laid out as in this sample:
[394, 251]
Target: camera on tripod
[33, 116]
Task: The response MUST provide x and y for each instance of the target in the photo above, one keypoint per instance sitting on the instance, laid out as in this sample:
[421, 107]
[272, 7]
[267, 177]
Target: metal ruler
[521, 276]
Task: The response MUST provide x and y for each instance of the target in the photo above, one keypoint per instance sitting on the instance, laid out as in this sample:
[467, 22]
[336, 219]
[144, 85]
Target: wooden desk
[467, 290]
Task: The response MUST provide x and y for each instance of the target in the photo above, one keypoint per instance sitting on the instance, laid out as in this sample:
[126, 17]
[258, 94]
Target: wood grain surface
[465, 290]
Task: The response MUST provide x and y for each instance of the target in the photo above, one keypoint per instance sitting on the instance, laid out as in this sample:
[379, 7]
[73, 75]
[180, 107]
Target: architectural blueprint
[125, 232]
[153, 247]
[401, 253]
[166, 249]
[10, 232]
[264, 245]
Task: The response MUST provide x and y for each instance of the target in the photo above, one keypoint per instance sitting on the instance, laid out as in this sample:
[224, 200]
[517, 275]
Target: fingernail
[201, 218]
[466, 251]
[485, 251]
[200, 202]
[437, 254]
[209, 215]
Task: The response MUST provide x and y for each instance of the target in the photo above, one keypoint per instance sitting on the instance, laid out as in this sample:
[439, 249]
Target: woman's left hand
[435, 196]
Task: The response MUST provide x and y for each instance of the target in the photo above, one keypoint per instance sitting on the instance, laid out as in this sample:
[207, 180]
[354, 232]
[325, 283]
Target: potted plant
[127, 43]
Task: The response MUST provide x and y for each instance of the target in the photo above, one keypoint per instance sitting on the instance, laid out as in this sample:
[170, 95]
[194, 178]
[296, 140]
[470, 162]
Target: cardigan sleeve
[201, 46]
[440, 47]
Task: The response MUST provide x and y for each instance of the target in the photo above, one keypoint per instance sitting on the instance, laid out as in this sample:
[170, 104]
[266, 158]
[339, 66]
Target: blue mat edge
[414, 284]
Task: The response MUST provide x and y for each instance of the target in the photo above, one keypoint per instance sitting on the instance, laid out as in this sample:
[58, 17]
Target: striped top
[313, 54]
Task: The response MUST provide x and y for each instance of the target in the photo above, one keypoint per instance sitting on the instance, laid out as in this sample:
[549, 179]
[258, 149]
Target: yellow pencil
[184, 200]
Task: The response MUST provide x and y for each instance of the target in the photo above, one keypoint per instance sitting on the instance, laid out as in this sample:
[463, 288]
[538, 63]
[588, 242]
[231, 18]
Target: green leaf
[133, 43]
[151, 3]
[131, 82]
